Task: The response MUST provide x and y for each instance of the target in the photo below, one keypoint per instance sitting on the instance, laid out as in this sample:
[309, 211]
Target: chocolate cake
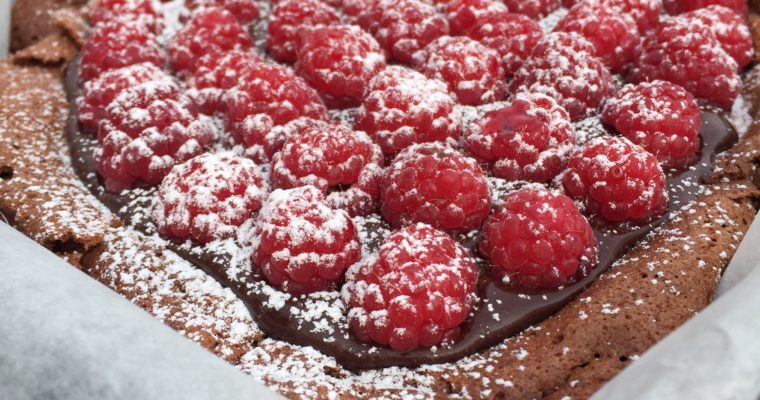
[267, 211]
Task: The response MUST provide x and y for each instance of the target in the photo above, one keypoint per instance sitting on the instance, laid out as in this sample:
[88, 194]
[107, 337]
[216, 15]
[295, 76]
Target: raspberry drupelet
[403, 107]
[300, 244]
[618, 180]
[437, 185]
[729, 29]
[139, 11]
[292, 18]
[533, 8]
[472, 71]
[528, 139]
[209, 31]
[339, 62]
[681, 6]
[416, 292]
[463, 14]
[661, 117]
[207, 197]
[539, 239]
[216, 73]
[245, 11]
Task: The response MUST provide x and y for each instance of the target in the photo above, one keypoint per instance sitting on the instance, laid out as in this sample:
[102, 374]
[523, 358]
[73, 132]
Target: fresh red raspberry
[646, 13]
[576, 79]
[117, 44]
[472, 71]
[730, 29]
[325, 156]
[661, 117]
[207, 197]
[352, 9]
[619, 180]
[292, 18]
[539, 239]
[216, 73]
[533, 8]
[681, 6]
[528, 139]
[688, 54]
[245, 11]
[266, 96]
[276, 137]
[564, 43]
[148, 129]
[211, 30]
[513, 36]
[98, 93]
[415, 293]
[339, 62]
[141, 11]
[402, 27]
[614, 34]
[465, 14]
[435, 184]
[300, 244]
[403, 107]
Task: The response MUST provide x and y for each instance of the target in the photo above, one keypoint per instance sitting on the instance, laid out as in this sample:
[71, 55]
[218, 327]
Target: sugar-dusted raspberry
[266, 96]
[292, 18]
[217, 72]
[681, 6]
[148, 129]
[325, 156]
[100, 92]
[578, 80]
[472, 71]
[207, 197]
[117, 44]
[539, 239]
[661, 117]
[416, 292]
[211, 30]
[533, 8]
[435, 184]
[465, 14]
[339, 62]
[730, 29]
[528, 139]
[619, 180]
[245, 11]
[645, 13]
[511, 35]
[564, 43]
[277, 136]
[300, 244]
[352, 9]
[141, 11]
[403, 107]
[402, 27]
[614, 34]
[688, 54]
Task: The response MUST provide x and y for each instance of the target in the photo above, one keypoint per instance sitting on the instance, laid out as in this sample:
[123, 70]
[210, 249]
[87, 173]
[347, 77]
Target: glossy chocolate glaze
[517, 309]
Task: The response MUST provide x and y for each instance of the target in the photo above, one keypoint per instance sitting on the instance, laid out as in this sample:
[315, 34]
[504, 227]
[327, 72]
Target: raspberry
[216, 73]
[300, 244]
[618, 180]
[464, 14]
[576, 79]
[402, 27]
[116, 44]
[527, 139]
[339, 61]
[564, 43]
[435, 184]
[472, 71]
[266, 96]
[98, 93]
[681, 6]
[207, 197]
[245, 11]
[148, 129]
[415, 293]
[403, 107]
[352, 9]
[276, 137]
[730, 29]
[513, 36]
[533, 8]
[613, 34]
[210, 31]
[661, 117]
[289, 19]
[539, 239]
[688, 54]
[645, 13]
[141, 11]
[325, 156]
